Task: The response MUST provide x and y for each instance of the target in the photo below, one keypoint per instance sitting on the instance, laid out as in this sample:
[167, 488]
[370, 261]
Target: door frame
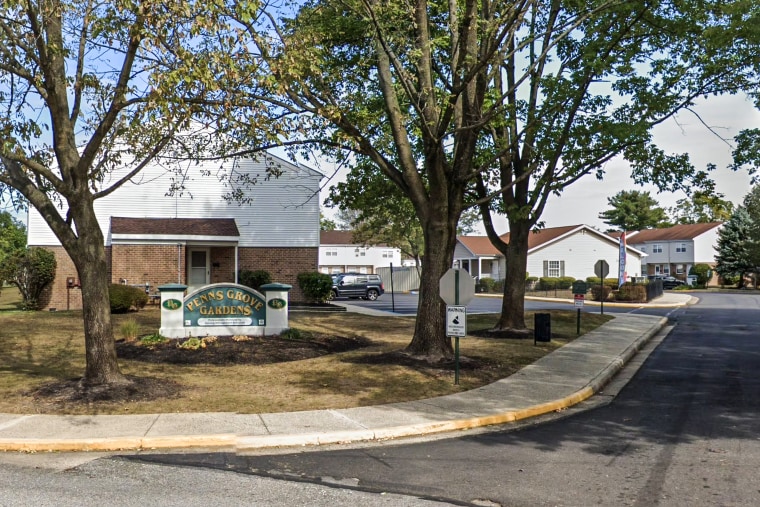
[207, 276]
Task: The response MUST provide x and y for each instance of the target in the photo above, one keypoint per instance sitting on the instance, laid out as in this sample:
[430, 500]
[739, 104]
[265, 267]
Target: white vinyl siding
[580, 251]
[284, 211]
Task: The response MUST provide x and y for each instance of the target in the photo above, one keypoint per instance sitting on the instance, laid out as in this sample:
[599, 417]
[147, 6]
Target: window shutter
[546, 269]
[561, 268]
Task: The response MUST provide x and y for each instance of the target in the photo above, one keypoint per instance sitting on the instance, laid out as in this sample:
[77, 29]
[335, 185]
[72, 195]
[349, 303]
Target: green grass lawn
[43, 347]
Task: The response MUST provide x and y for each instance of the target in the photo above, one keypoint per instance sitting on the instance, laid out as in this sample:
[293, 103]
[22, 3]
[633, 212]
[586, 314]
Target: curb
[238, 443]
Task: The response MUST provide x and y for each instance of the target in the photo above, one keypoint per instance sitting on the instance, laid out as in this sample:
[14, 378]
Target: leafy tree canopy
[90, 93]
[519, 98]
[632, 210]
[703, 206]
[12, 236]
[326, 224]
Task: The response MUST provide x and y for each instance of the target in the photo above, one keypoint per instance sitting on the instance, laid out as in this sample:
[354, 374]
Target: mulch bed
[228, 350]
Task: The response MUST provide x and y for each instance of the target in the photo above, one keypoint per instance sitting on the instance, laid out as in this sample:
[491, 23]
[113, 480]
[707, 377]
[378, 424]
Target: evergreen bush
[254, 279]
[316, 286]
[124, 298]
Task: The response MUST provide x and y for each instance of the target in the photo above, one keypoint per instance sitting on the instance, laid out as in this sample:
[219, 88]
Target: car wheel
[372, 294]
[332, 295]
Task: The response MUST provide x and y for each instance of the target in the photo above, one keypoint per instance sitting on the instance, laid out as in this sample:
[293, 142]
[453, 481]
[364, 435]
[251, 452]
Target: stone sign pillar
[277, 307]
[172, 314]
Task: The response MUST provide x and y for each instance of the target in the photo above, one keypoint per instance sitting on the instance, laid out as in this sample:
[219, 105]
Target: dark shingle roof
[675, 233]
[336, 238]
[175, 226]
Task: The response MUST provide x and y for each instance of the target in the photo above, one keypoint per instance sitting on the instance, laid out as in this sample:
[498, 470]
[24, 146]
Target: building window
[553, 269]
[331, 252]
[666, 270]
[360, 252]
[388, 254]
[681, 247]
[643, 249]
[679, 269]
[657, 248]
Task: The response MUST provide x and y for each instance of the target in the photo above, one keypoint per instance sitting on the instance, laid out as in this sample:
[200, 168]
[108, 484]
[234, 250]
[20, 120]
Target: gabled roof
[543, 236]
[344, 238]
[174, 226]
[481, 245]
[675, 233]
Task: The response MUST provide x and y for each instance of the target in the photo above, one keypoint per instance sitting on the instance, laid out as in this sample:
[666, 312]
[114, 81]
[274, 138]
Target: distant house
[339, 253]
[552, 252]
[672, 251]
[198, 237]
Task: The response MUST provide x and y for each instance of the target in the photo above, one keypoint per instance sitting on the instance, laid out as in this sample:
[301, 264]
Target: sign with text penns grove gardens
[223, 309]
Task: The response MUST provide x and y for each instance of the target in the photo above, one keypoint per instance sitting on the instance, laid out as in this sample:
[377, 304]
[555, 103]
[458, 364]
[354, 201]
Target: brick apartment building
[197, 237]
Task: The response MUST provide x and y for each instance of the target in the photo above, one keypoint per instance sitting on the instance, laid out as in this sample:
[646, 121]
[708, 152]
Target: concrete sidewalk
[557, 381]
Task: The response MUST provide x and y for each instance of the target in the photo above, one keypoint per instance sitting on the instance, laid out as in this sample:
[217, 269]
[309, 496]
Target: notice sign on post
[579, 299]
[456, 320]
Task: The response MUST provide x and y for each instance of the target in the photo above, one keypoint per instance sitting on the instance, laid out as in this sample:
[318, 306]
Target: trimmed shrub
[597, 291]
[487, 284]
[124, 298]
[498, 286]
[632, 292]
[315, 286]
[254, 279]
[703, 274]
[565, 282]
[612, 283]
[548, 283]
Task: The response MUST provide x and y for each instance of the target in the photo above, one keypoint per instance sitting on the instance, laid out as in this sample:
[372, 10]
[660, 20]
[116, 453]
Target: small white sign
[456, 321]
[579, 299]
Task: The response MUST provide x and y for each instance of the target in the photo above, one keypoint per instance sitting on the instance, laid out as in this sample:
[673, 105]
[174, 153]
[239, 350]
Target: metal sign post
[456, 290]
[601, 269]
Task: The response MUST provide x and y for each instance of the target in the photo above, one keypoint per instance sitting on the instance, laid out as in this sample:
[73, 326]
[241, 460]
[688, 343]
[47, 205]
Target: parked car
[358, 286]
[671, 283]
[668, 282]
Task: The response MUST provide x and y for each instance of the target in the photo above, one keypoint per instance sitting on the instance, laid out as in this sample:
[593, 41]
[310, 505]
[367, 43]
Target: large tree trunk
[430, 337]
[512, 317]
[88, 254]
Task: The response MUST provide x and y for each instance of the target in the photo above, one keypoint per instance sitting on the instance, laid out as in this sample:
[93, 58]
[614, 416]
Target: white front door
[198, 268]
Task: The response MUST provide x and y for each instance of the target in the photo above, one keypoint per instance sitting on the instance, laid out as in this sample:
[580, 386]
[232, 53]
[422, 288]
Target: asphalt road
[406, 304]
[683, 432]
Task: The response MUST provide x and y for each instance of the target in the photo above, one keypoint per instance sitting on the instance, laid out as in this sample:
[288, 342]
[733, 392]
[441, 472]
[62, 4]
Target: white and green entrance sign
[225, 305]
[223, 309]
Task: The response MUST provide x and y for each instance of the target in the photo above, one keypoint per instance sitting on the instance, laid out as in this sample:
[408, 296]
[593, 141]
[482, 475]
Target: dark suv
[358, 286]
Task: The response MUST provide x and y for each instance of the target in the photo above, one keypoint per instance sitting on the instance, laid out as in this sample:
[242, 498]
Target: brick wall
[57, 295]
[157, 264]
[283, 264]
[222, 264]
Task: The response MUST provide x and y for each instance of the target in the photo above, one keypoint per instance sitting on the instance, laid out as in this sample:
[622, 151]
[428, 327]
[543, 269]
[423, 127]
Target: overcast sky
[582, 202]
